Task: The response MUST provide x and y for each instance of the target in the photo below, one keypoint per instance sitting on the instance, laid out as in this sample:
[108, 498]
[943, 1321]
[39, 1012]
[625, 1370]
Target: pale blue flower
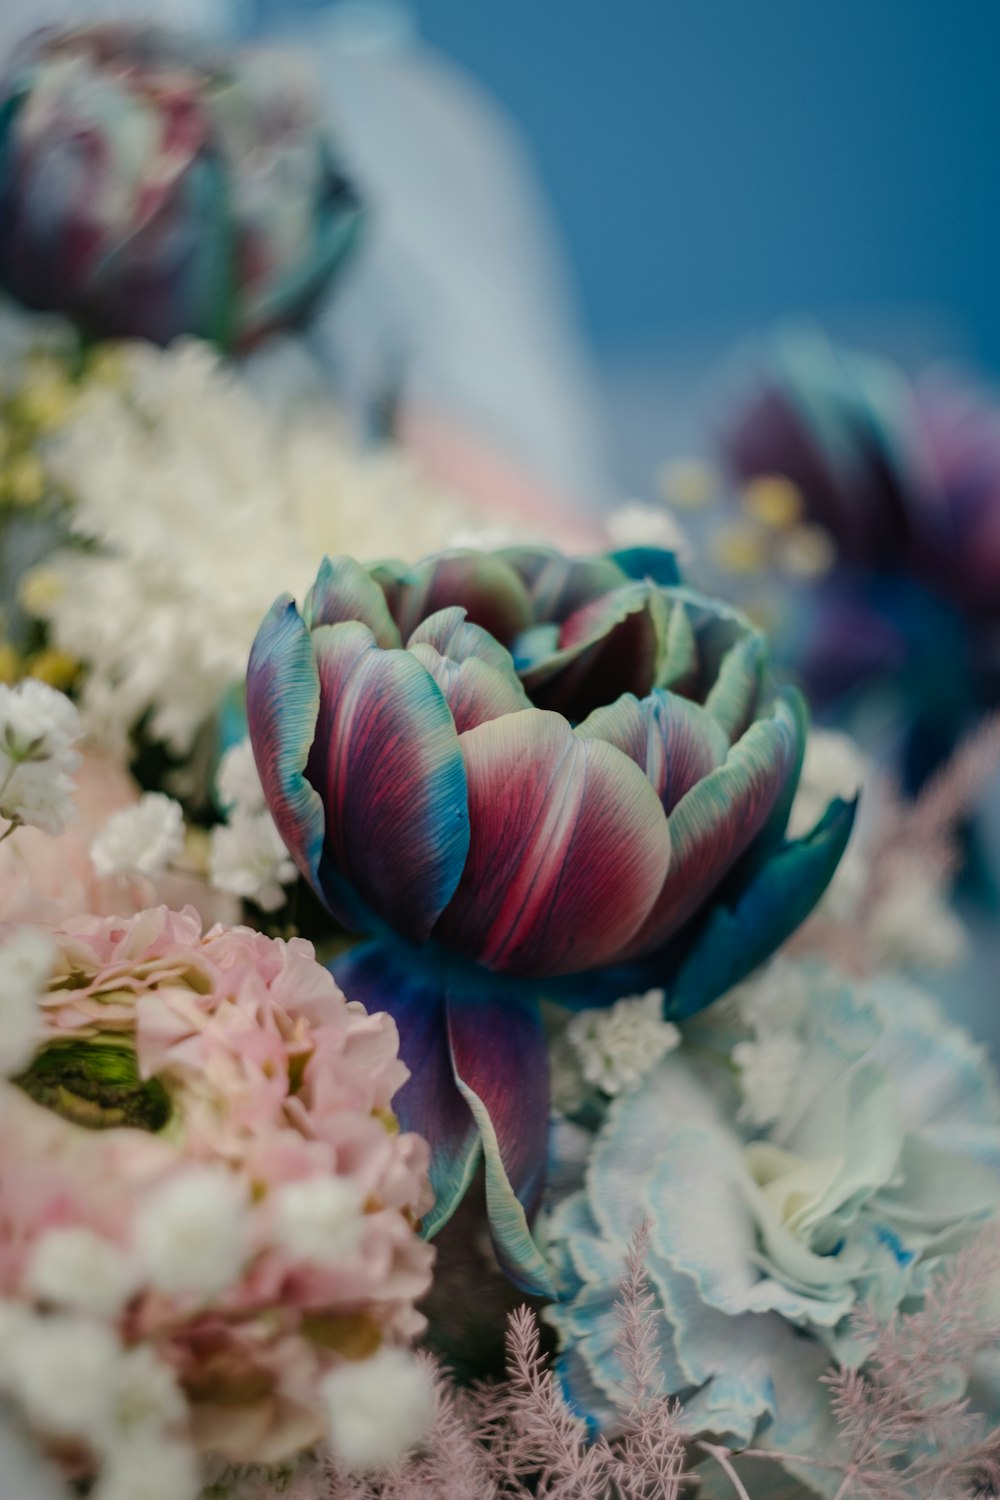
[883, 1159]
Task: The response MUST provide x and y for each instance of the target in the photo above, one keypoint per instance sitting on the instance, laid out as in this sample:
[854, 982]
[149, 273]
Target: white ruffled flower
[38, 728]
[27, 955]
[377, 1408]
[913, 924]
[192, 1231]
[248, 858]
[319, 1221]
[617, 1047]
[79, 1270]
[237, 781]
[62, 1371]
[772, 998]
[768, 1068]
[140, 840]
[150, 1470]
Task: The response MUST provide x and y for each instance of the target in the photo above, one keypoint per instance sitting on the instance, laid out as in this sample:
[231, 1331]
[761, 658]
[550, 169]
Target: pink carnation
[235, 1051]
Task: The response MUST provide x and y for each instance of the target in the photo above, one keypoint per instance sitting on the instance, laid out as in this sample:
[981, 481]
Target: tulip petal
[717, 820]
[387, 763]
[613, 644]
[654, 563]
[674, 741]
[384, 977]
[679, 667]
[569, 848]
[344, 590]
[452, 634]
[744, 930]
[500, 1058]
[733, 696]
[557, 585]
[282, 710]
[474, 691]
[474, 672]
[490, 592]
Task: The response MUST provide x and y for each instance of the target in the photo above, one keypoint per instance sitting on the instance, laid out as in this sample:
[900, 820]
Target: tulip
[905, 478]
[149, 188]
[529, 777]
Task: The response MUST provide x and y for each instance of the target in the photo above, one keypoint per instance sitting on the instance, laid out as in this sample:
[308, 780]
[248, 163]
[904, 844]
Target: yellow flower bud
[808, 552]
[39, 590]
[24, 479]
[738, 549]
[774, 501]
[688, 484]
[10, 663]
[55, 667]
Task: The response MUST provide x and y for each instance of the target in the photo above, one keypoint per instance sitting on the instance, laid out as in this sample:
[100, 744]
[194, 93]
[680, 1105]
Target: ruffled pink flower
[265, 1070]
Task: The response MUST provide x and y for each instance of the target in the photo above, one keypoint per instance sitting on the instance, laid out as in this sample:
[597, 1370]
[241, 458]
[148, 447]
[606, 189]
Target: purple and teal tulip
[149, 188]
[528, 777]
[905, 477]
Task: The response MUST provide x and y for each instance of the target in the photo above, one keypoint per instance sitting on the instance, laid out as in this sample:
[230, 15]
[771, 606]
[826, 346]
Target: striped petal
[387, 764]
[569, 848]
[755, 919]
[733, 696]
[282, 710]
[474, 672]
[489, 591]
[558, 586]
[674, 741]
[500, 1058]
[384, 976]
[344, 590]
[614, 644]
[717, 821]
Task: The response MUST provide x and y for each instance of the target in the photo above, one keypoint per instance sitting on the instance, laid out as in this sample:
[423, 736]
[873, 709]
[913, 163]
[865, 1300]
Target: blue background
[718, 164]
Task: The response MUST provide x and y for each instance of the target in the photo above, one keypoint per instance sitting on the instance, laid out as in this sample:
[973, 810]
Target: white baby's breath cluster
[38, 729]
[637, 525]
[247, 857]
[27, 956]
[140, 840]
[74, 1379]
[199, 503]
[611, 1050]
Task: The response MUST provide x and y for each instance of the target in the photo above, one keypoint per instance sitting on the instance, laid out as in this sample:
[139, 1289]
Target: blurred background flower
[150, 188]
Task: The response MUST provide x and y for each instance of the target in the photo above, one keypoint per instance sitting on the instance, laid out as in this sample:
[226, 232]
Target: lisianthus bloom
[905, 479]
[529, 776]
[201, 1160]
[810, 1148]
[150, 188]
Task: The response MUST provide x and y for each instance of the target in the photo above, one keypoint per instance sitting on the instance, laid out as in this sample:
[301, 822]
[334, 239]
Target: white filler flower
[377, 1408]
[38, 728]
[27, 955]
[140, 840]
[617, 1047]
[192, 1232]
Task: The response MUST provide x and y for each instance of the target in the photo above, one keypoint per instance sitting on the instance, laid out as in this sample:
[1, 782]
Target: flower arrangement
[151, 189]
[498, 893]
[210, 1215]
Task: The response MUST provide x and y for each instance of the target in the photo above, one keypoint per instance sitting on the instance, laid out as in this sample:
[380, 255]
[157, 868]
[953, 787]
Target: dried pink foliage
[910, 1437]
